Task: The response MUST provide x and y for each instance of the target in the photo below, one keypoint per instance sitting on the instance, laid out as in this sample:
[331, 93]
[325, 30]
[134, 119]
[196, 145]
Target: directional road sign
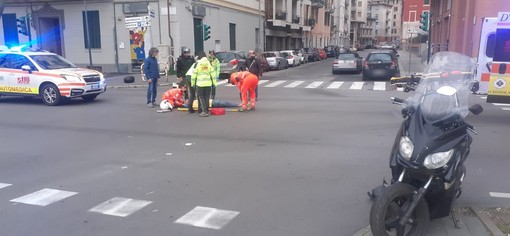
[136, 19]
[133, 25]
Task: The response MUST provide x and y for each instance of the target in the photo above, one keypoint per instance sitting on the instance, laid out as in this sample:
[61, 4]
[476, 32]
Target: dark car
[313, 54]
[231, 62]
[380, 65]
[330, 51]
[347, 62]
[264, 63]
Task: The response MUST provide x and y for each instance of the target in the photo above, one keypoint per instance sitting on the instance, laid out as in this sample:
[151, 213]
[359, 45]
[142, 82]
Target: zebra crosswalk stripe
[263, 81]
[381, 86]
[222, 82]
[4, 185]
[357, 85]
[335, 85]
[294, 84]
[44, 197]
[276, 83]
[119, 206]
[315, 84]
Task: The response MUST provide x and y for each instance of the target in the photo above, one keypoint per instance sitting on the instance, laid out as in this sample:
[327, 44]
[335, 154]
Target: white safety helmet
[175, 85]
[165, 105]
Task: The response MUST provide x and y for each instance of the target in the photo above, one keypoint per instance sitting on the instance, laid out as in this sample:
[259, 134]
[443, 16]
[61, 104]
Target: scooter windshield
[445, 86]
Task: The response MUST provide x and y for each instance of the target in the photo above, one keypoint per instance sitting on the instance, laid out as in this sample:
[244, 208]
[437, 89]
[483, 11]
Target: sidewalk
[416, 63]
[473, 222]
[117, 81]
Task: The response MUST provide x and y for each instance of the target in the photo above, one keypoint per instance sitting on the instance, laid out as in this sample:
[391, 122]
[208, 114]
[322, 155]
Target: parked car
[303, 56]
[292, 57]
[360, 48]
[330, 51]
[286, 56]
[275, 60]
[380, 65]
[322, 54]
[347, 62]
[392, 50]
[264, 63]
[313, 54]
[230, 62]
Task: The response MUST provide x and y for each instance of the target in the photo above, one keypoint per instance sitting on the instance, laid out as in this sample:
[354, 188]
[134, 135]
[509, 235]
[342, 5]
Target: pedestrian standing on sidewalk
[215, 63]
[151, 70]
[184, 62]
[203, 79]
[255, 67]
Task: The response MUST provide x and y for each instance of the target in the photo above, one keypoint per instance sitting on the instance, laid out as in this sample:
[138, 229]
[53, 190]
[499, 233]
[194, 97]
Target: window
[359, 14]
[94, 32]
[412, 16]
[489, 48]
[17, 61]
[394, 16]
[360, 4]
[10, 29]
[395, 9]
[394, 23]
[426, 2]
[232, 29]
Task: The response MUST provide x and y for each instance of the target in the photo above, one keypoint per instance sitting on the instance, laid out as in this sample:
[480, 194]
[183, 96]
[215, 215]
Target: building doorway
[50, 34]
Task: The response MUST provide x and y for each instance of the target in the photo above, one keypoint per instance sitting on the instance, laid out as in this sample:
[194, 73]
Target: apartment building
[412, 9]
[342, 26]
[457, 24]
[359, 13]
[388, 15]
[115, 46]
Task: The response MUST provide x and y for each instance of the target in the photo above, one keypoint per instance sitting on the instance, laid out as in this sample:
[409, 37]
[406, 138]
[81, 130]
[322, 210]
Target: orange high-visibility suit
[246, 82]
[174, 97]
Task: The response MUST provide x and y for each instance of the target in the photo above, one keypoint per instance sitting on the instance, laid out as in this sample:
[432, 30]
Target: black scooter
[426, 161]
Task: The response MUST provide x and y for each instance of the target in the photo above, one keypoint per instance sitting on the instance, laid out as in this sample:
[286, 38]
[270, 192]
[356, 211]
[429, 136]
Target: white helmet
[165, 105]
[175, 85]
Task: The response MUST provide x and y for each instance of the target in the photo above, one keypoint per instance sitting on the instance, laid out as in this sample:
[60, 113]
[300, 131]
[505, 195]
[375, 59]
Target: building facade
[388, 15]
[359, 13]
[119, 44]
[342, 26]
[456, 24]
[412, 10]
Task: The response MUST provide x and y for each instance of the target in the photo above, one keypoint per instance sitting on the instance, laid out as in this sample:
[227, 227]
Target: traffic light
[207, 32]
[22, 25]
[424, 21]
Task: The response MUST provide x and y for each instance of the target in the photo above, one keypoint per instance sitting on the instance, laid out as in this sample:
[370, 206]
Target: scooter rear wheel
[390, 206]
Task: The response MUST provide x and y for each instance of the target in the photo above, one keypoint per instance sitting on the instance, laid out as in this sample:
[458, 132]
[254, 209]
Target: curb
[493, 229]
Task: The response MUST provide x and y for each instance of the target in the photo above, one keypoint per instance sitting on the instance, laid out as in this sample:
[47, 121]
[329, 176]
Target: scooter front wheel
[390, 206]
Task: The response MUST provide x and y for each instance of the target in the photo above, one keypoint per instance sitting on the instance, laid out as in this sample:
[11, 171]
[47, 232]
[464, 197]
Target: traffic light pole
[429, 38]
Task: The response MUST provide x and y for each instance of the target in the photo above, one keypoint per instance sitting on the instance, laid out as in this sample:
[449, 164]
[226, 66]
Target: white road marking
[335, 85]
[315, 84]
[207, 217]
[294, 84]
[506, 108]
[229, 85]
[483, 97]
[223, 81]
[501, 195]
[119, 206]
[263, 81]
[381, 86]
[276, 83]
[357, 85]
[44, 197]
[4, 185]
[501, 104]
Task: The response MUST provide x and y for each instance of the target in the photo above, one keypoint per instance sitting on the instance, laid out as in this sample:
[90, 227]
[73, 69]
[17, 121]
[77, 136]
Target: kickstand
[456, 221]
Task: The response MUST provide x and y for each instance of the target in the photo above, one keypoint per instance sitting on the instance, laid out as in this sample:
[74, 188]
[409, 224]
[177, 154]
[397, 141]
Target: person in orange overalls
[246, 82]
[174, 96]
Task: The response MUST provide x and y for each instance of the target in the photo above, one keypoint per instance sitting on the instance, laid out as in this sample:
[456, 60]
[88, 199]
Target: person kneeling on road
[246, 82]
[172, 98]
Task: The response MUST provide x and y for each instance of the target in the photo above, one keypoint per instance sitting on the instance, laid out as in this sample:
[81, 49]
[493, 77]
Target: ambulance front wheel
[50, 95]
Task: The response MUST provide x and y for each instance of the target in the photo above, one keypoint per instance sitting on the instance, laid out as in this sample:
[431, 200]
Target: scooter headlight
[438, 159]
[406, 147]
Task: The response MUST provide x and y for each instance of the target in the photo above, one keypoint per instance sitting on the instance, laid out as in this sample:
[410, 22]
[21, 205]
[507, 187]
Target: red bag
[217, 111]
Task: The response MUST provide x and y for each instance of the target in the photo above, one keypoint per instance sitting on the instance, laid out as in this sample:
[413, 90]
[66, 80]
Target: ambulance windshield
[52, 62]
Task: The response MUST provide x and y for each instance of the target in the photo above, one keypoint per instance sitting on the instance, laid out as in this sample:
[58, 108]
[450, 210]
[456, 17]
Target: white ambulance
[46, 75]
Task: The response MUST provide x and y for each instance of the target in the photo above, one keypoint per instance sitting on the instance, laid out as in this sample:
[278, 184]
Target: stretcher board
[226, 109]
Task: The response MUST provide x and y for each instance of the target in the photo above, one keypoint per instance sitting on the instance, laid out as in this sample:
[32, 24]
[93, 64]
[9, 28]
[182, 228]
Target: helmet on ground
[175, 85]
[165, 105]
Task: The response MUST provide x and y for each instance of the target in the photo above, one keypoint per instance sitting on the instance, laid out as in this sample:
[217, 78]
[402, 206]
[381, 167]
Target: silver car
[292, 57]
[347, 62]
[275, 60]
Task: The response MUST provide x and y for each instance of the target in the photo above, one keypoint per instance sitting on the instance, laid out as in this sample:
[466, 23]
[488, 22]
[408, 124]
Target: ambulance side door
[24, 81]
[6, 74]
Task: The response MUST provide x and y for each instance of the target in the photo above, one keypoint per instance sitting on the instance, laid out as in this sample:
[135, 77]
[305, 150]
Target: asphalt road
[299, 165]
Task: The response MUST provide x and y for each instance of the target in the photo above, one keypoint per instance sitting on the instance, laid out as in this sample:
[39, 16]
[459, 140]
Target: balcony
[310, 22]
[281, 15]
[318, 3]
[296, 19]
